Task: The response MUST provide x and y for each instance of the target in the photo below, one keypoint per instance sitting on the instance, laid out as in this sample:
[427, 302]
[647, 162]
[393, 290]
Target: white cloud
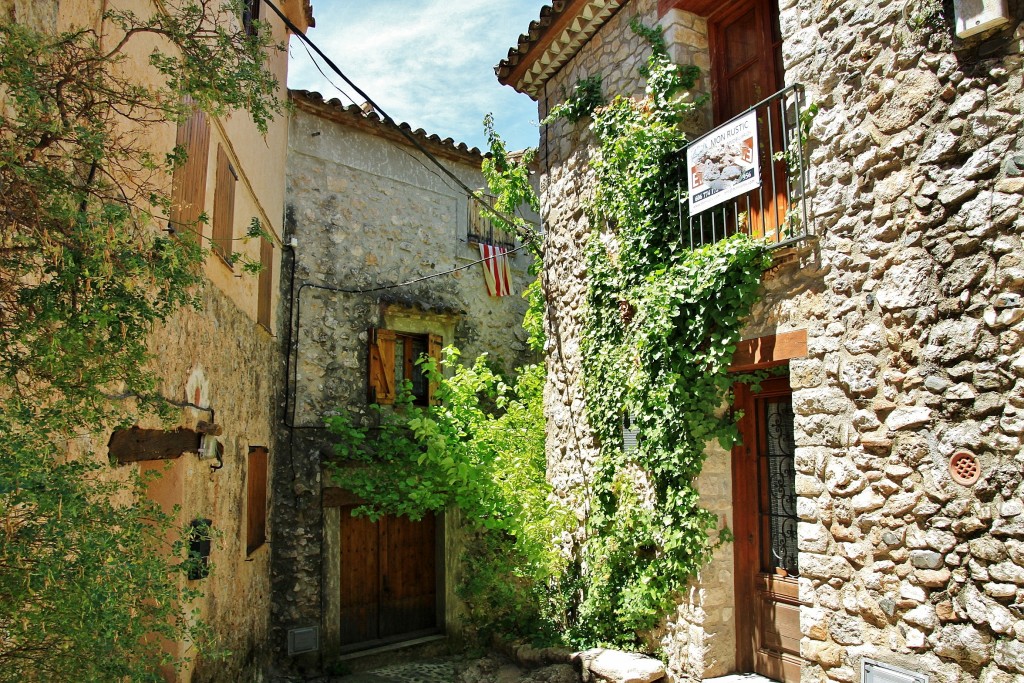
[426, 62]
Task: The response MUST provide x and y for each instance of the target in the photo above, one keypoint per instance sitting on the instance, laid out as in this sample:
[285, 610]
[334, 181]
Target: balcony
[776, 209]
[482, 230]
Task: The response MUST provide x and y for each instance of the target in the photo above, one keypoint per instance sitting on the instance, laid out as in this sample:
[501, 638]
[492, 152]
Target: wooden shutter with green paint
[382, 366]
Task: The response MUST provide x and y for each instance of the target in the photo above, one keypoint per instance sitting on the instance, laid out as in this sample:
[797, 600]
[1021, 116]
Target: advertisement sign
[723, 164]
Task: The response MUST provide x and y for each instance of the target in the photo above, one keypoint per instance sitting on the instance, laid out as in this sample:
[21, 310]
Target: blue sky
[426, 62]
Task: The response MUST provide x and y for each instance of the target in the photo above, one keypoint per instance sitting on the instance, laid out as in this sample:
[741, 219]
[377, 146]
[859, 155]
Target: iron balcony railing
[483, 230]
[777, 209]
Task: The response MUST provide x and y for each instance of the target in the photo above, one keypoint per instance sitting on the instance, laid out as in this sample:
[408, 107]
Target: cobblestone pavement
[488, 669]
[431, 671]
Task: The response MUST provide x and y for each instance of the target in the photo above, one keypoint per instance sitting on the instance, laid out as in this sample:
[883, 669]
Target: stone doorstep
[739, 678]
[619, 667]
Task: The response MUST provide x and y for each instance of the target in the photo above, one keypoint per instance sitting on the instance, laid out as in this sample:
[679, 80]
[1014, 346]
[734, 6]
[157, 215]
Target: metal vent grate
[630, 434]
[877, 672]
[302, 640]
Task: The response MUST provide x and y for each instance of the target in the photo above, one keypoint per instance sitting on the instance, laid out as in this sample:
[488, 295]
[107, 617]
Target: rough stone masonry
[910, 296]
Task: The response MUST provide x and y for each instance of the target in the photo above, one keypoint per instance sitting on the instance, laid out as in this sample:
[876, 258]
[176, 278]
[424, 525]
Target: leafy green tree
[480, 450]
[88, 583]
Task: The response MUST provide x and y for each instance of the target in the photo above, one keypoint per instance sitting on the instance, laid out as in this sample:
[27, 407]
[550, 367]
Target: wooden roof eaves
[551, 41]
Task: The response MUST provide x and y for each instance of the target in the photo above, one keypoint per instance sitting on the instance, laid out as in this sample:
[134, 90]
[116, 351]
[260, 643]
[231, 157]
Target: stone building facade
[384, 245]
[898, 321]
[219, 363]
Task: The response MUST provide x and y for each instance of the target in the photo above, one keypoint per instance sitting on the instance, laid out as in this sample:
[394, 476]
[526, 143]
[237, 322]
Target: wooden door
[764, 509]
[389, 579]
[746, 67]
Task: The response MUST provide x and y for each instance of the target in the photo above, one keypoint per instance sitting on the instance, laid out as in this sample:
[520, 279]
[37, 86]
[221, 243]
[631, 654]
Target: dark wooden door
[764, 509]
[746, 67]
[389, 578]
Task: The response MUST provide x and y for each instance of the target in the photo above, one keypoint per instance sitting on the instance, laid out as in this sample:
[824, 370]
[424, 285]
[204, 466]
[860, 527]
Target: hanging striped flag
[497, 273]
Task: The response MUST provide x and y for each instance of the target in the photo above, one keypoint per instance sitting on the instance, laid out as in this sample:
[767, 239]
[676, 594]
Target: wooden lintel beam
[337, 497]
[768, 351]
[135, 444]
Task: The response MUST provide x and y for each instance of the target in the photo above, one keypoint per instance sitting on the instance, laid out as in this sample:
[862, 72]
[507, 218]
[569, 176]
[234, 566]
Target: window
[224, 207]
[393, 357]
[250, 15]
[256, 499]
[265, 286]
[199, 535]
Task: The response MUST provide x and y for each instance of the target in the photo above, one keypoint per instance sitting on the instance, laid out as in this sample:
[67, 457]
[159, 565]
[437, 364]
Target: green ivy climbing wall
[662, 324]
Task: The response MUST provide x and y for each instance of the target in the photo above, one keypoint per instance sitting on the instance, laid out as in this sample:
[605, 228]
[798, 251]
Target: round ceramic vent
[964, 468]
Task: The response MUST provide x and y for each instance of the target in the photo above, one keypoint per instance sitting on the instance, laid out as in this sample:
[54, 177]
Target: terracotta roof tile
[353, 114]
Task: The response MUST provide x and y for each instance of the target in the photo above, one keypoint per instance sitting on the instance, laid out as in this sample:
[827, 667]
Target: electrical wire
[406, 283]
[327, 78]
[526, 234]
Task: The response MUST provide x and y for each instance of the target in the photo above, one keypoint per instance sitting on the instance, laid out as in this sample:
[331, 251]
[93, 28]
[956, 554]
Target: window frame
[382, 371]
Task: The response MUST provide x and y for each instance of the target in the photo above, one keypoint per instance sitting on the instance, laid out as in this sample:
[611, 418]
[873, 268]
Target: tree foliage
[585, 98]
[508, 178]
[88, 582]
[480, 450]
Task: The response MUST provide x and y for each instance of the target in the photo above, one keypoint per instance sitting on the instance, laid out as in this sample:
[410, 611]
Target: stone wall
[367, 214]
[699, 637]
[215, 363]
[917, 162]
[907, 294]
[221, 357]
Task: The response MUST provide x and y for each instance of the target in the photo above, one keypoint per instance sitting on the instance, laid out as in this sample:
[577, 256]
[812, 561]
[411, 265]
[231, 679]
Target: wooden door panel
[779, 624]
[742, 41]
[388, 577]
[768, 637]
[409, 596]
[360, 569]
[746, 69]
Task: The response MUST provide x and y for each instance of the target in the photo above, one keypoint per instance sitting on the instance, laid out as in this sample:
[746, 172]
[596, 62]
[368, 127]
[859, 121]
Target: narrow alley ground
[489, 669]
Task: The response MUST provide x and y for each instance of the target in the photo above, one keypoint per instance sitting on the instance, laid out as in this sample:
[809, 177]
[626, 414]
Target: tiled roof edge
[336, 106]
[586, 18]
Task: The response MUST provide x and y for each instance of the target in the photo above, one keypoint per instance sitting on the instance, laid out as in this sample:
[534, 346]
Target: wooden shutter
[265, 287]
[256, 507]
[224, 206]
[435, 343]
[188, 185]
[382, 367]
